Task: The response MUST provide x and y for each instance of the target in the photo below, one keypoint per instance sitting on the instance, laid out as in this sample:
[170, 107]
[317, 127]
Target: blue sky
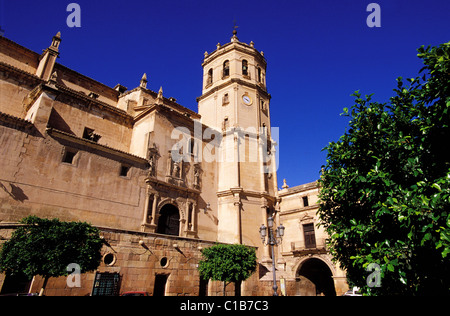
[318, 53]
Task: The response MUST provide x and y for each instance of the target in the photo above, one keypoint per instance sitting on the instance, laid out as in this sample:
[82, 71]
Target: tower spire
[159, 98]
[48, 58]
[144, 81]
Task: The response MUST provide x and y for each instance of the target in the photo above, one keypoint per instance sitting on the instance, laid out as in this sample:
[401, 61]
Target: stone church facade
[159, 180]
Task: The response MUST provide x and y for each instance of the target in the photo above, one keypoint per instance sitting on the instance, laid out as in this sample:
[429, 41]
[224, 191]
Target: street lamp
[272, 241]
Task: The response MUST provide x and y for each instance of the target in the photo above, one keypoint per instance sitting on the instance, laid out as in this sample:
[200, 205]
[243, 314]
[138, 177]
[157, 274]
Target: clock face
[247, 100]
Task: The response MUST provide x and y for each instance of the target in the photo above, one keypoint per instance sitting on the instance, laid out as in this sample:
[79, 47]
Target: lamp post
[272, 241]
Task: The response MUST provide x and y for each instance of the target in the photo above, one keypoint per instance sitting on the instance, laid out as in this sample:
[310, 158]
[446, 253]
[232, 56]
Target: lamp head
[280, 230]
[263, 231]
[270, 222]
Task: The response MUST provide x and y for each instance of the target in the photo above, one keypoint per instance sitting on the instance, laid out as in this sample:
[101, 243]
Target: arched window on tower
[226, 69]
[210, 77]
[245, 67]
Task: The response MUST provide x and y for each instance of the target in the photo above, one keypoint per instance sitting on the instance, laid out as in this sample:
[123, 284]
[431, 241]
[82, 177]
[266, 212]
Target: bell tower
[234, 90]
[235, 103]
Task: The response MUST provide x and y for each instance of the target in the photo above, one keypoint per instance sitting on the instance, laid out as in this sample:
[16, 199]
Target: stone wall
[139, 258]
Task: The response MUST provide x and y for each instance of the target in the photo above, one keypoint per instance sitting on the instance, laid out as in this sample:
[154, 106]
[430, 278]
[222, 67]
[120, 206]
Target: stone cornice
[91, 144]
[238, 46]
[156, 183]
[299, 188]
[232, 191]
[239, 81]
[19, 74]
[15, 122]
[299, 210]
[89, 101]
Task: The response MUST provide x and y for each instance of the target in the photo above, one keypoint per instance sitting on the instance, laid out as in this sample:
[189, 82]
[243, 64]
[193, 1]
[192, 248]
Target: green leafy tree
[385, 196]
[46, 247]
[227, 263]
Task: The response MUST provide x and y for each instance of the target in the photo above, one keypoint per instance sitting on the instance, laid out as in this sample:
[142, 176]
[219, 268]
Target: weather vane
[235, 27]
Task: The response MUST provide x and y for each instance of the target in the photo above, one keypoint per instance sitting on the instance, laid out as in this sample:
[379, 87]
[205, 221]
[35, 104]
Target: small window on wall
[225, 123]
[109, 259]
[124, 171]
[69, 156]
[225, 99]
[263, 105]
[90, 135]
[264, 129]
[305, 201]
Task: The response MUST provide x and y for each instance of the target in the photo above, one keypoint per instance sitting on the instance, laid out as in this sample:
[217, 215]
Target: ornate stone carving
[153, 156]
[197, 173]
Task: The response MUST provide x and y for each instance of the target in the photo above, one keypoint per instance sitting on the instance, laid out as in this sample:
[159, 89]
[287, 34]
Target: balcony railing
[301, 248]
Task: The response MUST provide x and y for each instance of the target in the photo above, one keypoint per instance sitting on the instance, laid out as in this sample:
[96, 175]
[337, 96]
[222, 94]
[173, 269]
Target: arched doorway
[169, 220]
[315, 278]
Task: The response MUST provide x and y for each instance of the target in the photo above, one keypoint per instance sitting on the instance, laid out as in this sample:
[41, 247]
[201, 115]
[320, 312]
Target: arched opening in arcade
[314, 278]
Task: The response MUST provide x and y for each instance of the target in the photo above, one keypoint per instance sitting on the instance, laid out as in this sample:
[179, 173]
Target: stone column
[146, 209]
[149, 218]
[188, 210]
[155, 204]
[194, 216]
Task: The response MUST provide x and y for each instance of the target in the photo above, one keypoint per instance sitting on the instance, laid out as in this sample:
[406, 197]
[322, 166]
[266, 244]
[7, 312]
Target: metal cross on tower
[235, 27]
